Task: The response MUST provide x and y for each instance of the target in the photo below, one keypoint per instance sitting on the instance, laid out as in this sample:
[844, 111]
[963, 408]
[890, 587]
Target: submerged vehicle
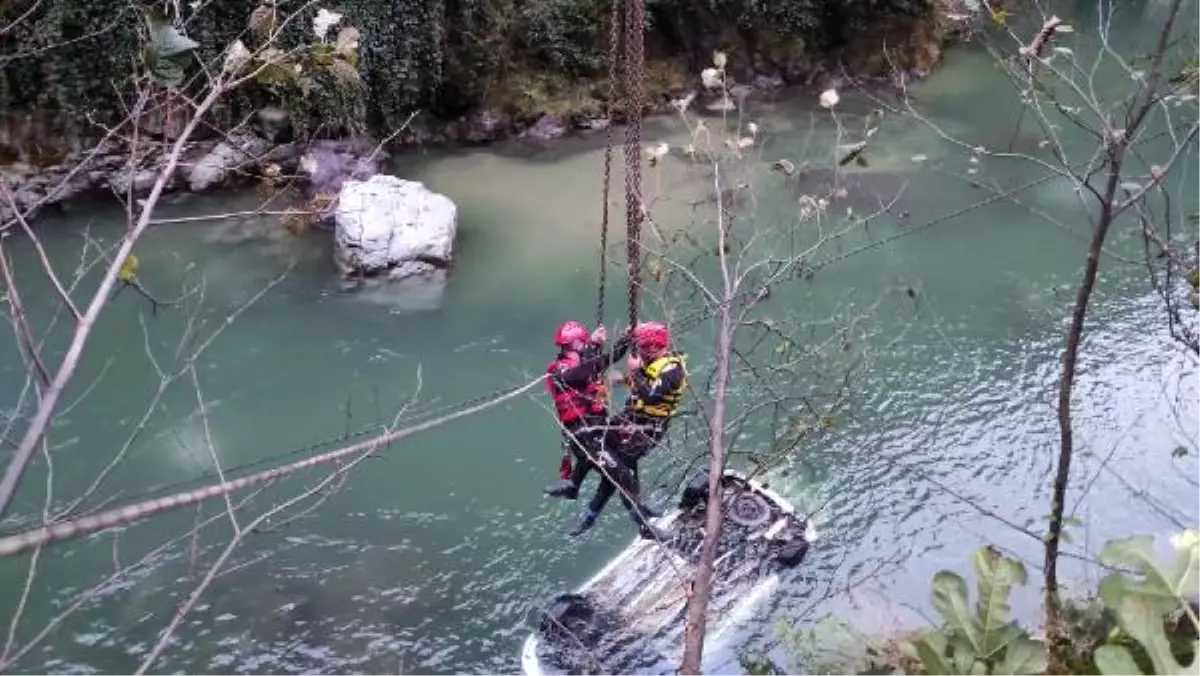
[629, 617]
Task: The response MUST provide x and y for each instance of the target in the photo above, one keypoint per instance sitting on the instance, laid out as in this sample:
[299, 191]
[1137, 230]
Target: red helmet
[651, 336]
[570, 331]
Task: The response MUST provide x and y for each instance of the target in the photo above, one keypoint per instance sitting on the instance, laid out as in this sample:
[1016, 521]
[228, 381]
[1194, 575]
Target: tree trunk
[1117, 147]
[697, 609]
[1066, 383]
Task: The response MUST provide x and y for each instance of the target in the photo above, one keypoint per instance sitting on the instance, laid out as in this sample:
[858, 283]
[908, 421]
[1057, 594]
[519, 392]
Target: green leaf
[982, 635]
[1141, 603]
[1143, 621]
[1023, 656]
[997, 574]
[128, 267]
[931, 648]
[962, 655]
[166, 40]
[1162, 585]
[1113, 660]
[950, 600]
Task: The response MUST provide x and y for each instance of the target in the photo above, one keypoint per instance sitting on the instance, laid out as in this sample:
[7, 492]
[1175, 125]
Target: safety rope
[614, 36]
[634, 59]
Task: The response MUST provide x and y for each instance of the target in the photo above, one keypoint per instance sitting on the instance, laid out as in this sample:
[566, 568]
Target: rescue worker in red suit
[657, 379]
[574, 380]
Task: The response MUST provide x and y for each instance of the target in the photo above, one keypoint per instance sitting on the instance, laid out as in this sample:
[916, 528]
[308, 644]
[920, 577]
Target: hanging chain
[634, 57]
[614, 36]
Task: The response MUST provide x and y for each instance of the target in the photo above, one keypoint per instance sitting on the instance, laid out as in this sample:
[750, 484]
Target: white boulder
[387, 224]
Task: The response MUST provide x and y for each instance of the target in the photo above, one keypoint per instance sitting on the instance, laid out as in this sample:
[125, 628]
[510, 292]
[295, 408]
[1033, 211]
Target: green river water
[432, 556]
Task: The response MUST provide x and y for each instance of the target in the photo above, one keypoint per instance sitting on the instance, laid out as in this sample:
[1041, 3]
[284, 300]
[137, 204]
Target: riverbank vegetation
[65, 64]
[1140, 619]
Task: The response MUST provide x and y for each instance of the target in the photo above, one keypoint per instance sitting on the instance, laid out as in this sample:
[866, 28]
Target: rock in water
[236, 153]
[548, 127]
[386, 224]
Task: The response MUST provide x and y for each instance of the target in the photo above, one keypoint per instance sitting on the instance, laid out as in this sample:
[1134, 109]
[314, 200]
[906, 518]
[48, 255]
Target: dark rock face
[483, 126]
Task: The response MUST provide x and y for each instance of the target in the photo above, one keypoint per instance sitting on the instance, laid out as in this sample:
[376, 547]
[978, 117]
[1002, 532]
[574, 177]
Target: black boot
[585, 523]
[563, 489]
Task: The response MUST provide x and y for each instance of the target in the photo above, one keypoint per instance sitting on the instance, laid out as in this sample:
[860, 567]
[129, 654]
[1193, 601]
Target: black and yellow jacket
[656, 388]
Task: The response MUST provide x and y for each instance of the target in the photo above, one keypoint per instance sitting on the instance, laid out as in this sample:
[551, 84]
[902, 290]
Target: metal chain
[614, 36]
[634, 58]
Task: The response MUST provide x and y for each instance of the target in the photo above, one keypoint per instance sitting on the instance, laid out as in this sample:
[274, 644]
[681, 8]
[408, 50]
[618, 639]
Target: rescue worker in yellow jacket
[657, 379]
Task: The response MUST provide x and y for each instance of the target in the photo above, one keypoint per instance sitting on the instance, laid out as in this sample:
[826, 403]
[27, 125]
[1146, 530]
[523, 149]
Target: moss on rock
[527, 94]
[896, 43]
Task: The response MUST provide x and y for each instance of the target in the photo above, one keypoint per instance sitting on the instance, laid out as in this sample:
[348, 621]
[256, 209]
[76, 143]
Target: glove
[623, 343]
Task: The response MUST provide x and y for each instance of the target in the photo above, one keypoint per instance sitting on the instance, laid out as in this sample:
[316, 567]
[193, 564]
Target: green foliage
[1143, 593]
[65, 57]
[443, 57]
[1143, 601]
[982, 640]
[320, 87]
[566, 35]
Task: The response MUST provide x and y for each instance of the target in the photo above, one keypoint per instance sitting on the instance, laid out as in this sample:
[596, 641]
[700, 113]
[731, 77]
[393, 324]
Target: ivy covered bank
[476, 69]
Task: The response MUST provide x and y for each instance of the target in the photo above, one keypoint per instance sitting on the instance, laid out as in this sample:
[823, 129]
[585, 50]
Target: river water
[432, 556]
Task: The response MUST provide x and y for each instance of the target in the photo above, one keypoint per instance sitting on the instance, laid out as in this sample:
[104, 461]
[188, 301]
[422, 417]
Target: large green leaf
[950, 600]
[1141, 603]
[988, 629]
[1023, 656]
[1165, 584]
[1114, 660]
[931, 649]
[997, 574]
[1142, 618]
[962, 655]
